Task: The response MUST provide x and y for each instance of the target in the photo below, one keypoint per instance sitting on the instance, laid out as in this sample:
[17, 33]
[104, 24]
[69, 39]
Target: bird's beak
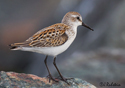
[87, 26]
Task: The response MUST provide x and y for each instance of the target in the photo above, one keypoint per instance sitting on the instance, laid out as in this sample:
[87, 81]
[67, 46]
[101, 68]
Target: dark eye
[78, 18]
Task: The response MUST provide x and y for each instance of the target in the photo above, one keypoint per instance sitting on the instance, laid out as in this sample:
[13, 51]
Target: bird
[53, 40]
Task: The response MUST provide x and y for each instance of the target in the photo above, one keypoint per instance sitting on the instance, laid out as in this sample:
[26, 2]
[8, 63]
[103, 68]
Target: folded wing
[48, 37]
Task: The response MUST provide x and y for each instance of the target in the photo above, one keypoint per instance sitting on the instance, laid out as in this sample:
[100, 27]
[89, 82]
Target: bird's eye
[78, 18]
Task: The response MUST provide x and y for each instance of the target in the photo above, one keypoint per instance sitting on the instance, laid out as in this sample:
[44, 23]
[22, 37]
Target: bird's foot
[64, 79]
[51, 78]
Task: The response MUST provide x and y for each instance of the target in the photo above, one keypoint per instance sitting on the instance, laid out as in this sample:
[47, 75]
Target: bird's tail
[17, 46]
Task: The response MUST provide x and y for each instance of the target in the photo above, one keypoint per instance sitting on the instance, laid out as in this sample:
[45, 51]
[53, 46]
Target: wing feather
[48, 37]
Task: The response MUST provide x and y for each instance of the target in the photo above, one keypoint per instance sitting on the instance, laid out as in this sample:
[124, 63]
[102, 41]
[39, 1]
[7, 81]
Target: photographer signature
[109, 84]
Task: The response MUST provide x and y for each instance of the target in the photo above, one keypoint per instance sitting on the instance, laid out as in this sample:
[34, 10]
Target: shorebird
[53, 40]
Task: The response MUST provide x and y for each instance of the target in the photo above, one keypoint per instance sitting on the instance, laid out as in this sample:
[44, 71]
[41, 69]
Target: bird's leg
[49, 76]
[62, 78]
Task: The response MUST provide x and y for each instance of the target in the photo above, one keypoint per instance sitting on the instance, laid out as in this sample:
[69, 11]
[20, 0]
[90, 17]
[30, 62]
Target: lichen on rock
[21, 80]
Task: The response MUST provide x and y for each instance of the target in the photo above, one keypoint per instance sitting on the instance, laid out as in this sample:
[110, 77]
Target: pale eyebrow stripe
[74, 15]
[77, 16]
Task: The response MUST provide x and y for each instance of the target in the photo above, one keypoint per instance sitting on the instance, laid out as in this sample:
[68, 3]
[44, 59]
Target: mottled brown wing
[48, 37]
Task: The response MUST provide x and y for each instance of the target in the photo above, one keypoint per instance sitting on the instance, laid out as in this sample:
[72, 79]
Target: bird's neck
[72, 31]
[72, 27]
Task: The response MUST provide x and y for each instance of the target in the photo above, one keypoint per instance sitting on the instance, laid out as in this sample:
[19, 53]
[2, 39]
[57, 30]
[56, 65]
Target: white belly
[52, 51]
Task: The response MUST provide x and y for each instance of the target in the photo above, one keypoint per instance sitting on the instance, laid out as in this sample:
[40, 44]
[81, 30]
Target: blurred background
[95, 56]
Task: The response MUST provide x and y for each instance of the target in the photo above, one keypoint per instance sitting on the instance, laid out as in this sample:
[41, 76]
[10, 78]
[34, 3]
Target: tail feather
[12, 47]
[16, 46]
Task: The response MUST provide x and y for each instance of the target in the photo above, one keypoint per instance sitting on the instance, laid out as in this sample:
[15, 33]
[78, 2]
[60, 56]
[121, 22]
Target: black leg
[50, 76]
[62, 78]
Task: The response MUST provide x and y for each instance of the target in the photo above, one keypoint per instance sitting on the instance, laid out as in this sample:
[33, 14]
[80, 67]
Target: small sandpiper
[53, 40]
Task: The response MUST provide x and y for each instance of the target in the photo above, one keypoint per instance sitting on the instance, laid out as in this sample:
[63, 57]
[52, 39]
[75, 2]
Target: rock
[21, 80]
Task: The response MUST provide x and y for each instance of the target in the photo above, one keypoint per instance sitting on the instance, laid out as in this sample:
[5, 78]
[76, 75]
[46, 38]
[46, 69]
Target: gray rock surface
[21, 80]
